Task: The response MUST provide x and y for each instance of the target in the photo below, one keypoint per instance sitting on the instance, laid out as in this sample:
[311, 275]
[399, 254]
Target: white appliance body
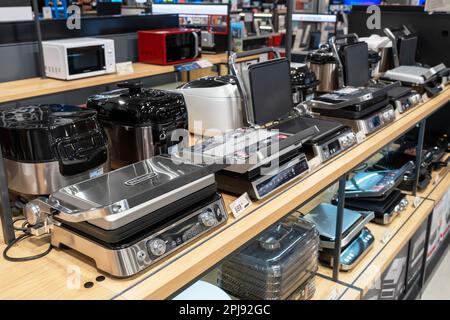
[213, 111]
[77, 58]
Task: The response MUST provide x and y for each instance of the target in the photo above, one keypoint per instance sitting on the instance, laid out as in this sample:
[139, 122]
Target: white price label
[417, 201]
[204, 64]
[124, 67]
[239, 205]
[314, 163]
[387, 235]
[360, 136]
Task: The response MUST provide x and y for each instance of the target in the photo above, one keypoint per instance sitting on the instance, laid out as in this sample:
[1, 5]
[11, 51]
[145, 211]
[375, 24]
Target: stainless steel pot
[327, 74]
[323, 63]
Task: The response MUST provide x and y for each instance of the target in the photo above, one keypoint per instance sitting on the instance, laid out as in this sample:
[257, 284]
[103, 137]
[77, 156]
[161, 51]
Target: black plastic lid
[322, 55]
[44, 133]
[303, 77]
[42, 116]
[210, 82]
[134, 105]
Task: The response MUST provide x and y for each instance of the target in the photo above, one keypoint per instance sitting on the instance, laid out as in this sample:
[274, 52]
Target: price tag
[417, 201]
[239, 205]
[47, 13]
[334, 294]
[124, 67]
[360, 136]
[314, 163]
[387, 235]
[204, 64]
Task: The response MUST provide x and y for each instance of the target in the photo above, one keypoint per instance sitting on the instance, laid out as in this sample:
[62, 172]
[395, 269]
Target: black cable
[23, 227]
[23, 236]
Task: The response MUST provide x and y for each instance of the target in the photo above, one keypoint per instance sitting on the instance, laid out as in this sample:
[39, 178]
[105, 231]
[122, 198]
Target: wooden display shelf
[389, 240]
[167, 277]
[329, 290]
[34, 87]
[440, 189]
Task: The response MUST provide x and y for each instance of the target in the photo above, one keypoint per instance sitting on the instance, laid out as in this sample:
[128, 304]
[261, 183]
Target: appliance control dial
[207, 218]
[157, 247]
[388, 115]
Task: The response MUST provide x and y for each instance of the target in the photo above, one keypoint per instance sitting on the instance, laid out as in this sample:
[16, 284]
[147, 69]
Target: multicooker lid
[44, 133]
[133, 104]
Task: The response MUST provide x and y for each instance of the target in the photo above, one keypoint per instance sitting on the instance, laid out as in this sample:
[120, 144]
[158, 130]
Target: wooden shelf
[47, 277]
[329, 290]
[370, 275]
[34, 87]
[440, 189]
[389, 240]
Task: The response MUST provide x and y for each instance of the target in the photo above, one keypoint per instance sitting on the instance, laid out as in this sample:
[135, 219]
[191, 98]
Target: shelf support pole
[419, 149]
[5, 209]
[288, 23]
[39, 39]
[339, 223]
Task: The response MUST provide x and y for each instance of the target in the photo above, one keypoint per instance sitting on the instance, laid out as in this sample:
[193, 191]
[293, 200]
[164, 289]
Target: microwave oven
[169, 46]
[76, 58]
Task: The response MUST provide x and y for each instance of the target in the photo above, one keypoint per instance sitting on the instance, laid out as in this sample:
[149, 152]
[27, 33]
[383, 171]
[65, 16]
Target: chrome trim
[291, 163]
[318, 148]
[128, 144]
[348, 267]
[130, 260]
[42, 178]
[109, 218]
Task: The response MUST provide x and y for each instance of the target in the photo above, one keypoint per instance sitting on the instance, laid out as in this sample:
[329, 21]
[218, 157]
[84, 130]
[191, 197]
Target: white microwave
[76, 58]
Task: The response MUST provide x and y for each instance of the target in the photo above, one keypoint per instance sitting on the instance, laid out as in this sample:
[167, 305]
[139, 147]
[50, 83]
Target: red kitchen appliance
[169, 46]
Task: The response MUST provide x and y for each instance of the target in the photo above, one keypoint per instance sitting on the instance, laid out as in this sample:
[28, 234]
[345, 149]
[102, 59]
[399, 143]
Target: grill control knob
[388, 115]
[207, 218]
[157, 247]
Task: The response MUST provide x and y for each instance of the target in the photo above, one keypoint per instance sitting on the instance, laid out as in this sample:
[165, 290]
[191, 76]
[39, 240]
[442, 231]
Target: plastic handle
[353, 36]
[196, 44]
[133, 87]
[257, 52]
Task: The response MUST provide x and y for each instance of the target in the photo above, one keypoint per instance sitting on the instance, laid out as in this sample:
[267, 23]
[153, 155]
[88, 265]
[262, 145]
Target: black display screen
[271, 90]
[334, 147]
[282, 177]
[376, 122]
[86, 59]
[180, 46]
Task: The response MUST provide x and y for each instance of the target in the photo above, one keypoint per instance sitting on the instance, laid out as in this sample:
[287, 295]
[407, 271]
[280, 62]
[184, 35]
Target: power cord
[26, 234]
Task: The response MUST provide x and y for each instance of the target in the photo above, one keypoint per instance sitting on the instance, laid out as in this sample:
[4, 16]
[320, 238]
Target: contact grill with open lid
[356, 238]
[129, 218]
[423, 79]
[360, 103]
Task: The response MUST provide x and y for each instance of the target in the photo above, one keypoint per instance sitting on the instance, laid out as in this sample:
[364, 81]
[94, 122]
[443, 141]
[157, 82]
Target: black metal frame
[39, 39]
[5, 208]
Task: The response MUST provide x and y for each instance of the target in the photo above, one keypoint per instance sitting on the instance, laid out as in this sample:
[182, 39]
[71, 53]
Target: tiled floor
[438, 287]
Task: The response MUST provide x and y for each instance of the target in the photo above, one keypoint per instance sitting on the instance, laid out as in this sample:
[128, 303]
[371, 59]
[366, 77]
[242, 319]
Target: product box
[435, 231]
[415, 252]
[445, 218]
[392, 283]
